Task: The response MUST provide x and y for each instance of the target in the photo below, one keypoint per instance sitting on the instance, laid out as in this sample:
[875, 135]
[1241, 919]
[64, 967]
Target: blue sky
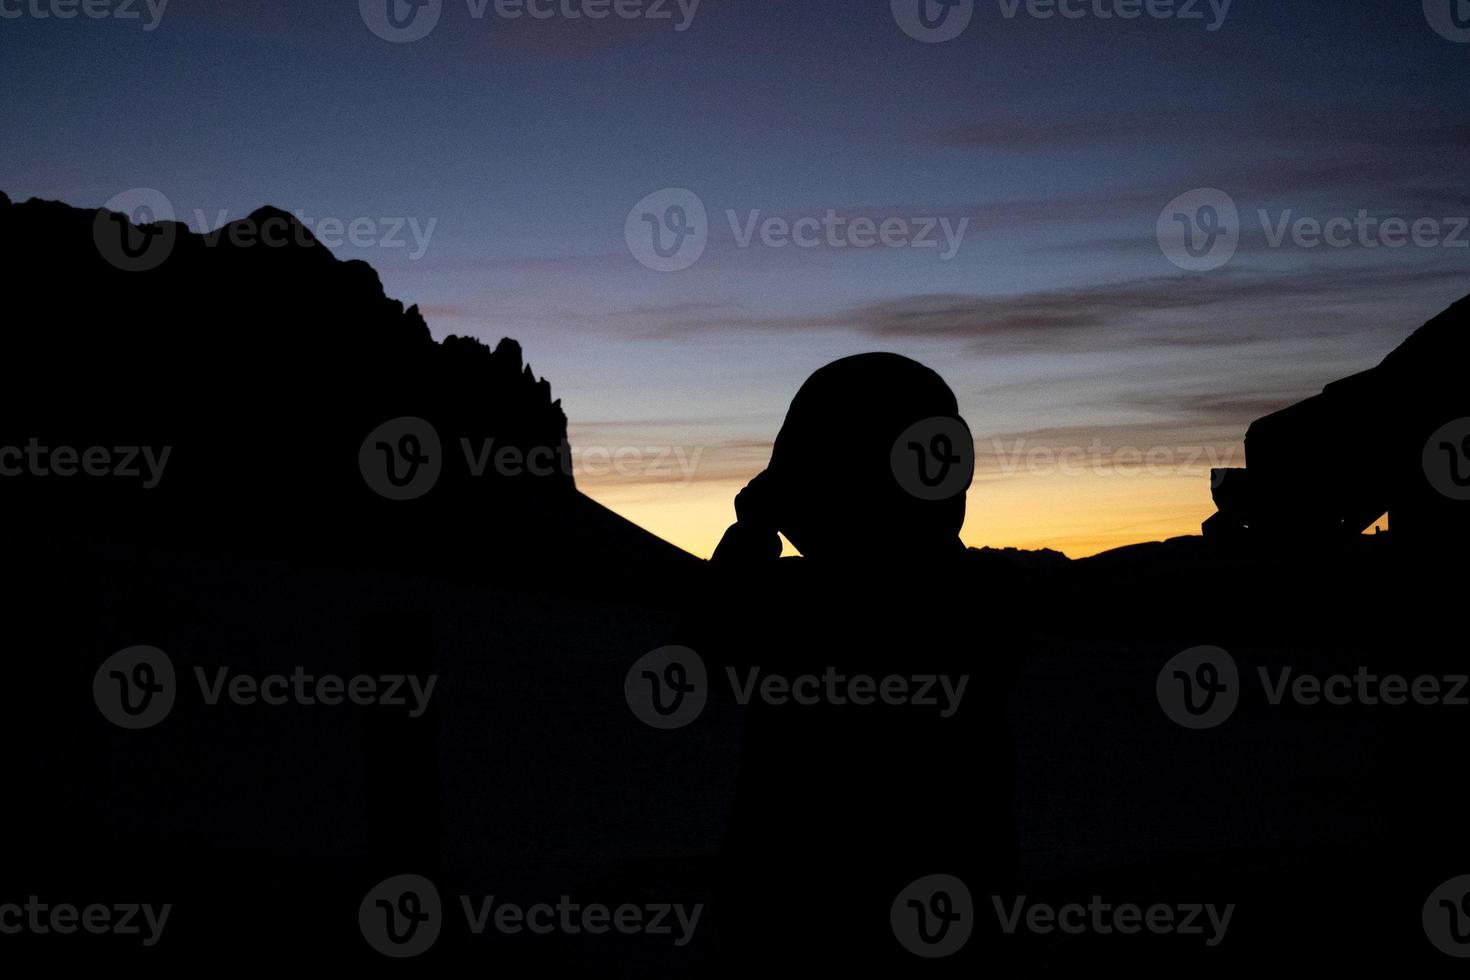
[1060, 321]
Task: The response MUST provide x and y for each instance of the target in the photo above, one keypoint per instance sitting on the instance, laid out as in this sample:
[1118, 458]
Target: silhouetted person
[840, 805]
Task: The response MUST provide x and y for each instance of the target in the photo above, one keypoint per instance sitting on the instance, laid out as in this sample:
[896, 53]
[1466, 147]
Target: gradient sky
[1060, 323]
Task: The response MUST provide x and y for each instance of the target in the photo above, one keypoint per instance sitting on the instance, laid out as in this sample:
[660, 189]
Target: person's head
[872, 460]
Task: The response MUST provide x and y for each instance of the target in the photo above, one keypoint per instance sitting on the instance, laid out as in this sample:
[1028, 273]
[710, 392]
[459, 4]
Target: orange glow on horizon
[1079, 515]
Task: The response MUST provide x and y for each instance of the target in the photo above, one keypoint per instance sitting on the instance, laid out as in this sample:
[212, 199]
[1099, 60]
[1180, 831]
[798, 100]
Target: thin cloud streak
[1056, 321]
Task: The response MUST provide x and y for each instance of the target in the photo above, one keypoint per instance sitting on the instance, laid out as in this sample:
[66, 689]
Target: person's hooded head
[873, 459]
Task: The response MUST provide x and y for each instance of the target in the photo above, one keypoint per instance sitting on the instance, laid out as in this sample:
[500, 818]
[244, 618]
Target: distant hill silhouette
[262, 363]
[1043, 560]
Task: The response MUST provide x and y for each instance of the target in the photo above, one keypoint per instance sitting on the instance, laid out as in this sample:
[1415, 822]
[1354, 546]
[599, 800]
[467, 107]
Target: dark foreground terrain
[523, 774]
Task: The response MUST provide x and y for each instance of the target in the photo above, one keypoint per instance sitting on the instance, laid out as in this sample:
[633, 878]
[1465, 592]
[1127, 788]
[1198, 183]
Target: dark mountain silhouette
[261, 363]
[269, 543]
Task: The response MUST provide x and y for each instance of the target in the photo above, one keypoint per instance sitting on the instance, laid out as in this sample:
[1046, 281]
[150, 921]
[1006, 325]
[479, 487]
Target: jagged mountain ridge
[263, 362]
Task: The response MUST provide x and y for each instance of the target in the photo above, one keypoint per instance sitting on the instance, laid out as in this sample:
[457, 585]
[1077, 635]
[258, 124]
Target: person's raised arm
[752, 539]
